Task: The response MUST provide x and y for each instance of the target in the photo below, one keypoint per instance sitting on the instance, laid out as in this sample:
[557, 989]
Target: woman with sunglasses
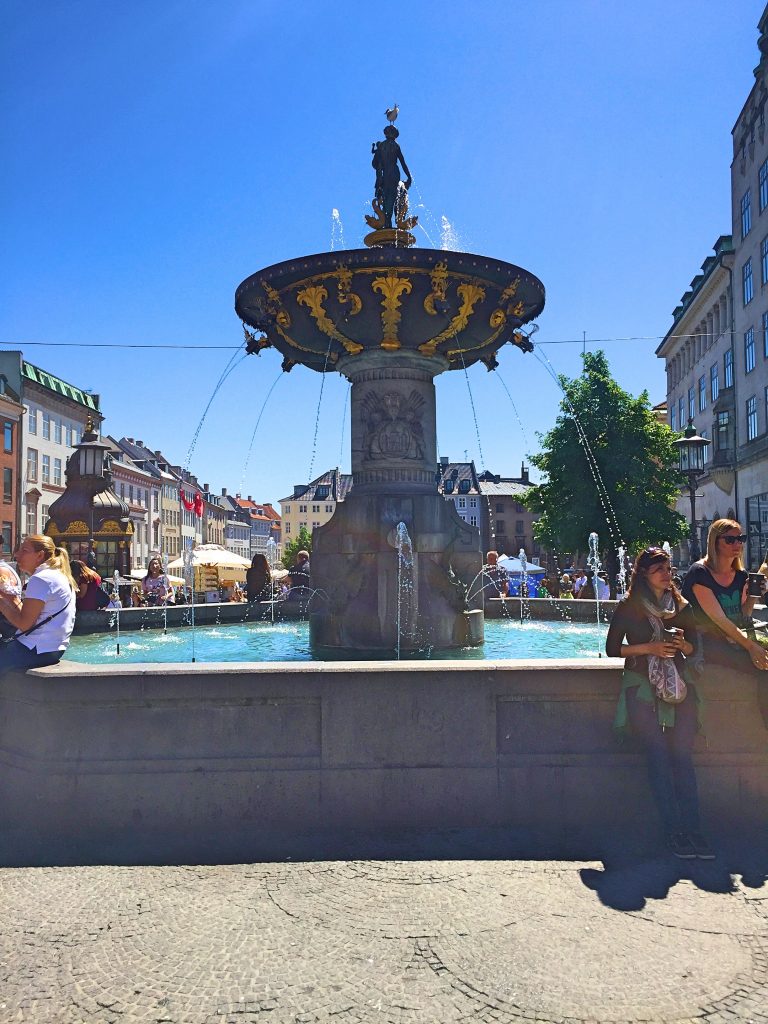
[717, 587]
[652, 628]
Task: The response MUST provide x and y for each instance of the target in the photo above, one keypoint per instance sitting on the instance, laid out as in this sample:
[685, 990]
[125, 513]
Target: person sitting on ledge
[300, 570]
[156, 585]
[45, 616]
[652, 628]
[495, 579]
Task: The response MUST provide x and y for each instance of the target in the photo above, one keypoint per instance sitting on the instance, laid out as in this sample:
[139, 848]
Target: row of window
[53, 429]
[305, 508]
[746, 200]
[32, 468]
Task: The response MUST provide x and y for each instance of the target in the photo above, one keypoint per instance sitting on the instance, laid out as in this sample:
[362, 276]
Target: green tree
[609, 466]
[302, 542]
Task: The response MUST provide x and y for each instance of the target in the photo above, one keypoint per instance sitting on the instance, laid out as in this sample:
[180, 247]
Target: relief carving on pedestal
[393, 425]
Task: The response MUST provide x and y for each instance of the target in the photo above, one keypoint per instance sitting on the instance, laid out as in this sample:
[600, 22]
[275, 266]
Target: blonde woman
[717, 588]
[45, 615]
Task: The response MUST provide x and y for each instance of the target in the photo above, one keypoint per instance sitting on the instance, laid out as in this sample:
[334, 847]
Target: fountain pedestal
[372, 599]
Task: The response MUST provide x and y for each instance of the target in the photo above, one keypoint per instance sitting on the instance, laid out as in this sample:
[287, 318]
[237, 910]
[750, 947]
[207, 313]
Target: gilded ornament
[510, 291]
[470, 295]
[346, 296]
[391, 287]
[439, 278]
[518, 310]
[498, 318]
[313, 297]
[77, 526]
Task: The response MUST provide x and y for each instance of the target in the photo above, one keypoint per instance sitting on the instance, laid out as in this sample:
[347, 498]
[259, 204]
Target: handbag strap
[37, 625]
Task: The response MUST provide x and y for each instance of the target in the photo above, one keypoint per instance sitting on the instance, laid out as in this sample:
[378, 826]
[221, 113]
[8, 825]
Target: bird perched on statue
[391, 114]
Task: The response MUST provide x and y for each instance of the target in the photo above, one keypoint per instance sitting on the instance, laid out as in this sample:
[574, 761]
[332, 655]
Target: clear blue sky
[157, 152]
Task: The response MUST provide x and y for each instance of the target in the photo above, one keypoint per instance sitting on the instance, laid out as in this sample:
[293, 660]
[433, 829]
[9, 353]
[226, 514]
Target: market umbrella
[514, 566]
[213, 554]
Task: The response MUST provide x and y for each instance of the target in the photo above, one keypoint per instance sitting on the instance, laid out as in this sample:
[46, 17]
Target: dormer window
[448, 486]
[464, 486]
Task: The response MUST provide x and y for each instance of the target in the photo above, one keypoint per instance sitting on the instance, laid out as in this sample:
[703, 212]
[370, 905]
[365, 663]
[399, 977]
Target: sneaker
[681, 846]
[701, 847]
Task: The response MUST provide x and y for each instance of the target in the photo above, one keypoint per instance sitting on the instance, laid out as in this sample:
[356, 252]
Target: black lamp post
[691, 448]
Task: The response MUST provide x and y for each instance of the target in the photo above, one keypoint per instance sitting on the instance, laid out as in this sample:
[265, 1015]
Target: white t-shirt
[52, 587]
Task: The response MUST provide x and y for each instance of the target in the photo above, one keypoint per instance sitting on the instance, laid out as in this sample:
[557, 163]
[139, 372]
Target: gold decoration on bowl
[439, 278]
[518, 310]
[313, 297]
[498, 318]
[276, 308]
[379, 220]
[346, 296]
[470, 295]
[391, 288]
[510, 291]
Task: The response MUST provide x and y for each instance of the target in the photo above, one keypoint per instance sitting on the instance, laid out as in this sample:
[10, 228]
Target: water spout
[593, 561]
[404, 582]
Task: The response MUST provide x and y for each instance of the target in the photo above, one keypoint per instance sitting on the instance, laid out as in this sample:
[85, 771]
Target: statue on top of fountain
[390, 193]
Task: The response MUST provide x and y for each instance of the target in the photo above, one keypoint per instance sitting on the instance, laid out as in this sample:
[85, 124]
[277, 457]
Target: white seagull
[391, 114]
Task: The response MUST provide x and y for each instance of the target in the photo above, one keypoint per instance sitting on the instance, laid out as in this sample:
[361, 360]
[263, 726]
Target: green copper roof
[59, 387]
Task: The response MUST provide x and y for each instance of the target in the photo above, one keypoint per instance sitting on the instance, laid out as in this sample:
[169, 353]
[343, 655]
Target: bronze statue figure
[386, 155]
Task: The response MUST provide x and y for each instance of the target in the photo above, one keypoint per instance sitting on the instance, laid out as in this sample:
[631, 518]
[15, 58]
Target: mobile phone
[756, 583]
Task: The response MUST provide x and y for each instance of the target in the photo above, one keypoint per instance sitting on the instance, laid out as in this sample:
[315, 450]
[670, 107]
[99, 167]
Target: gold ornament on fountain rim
[391, 287]
[313, 297]
[400, 236]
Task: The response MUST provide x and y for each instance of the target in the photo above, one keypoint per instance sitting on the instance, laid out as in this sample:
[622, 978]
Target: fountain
[391, 318]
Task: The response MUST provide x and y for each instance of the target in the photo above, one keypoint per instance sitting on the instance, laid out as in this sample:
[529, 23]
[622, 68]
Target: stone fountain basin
[460, 306]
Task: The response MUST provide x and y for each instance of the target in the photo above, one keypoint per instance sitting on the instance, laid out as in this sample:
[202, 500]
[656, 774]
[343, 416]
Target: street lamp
[691, 448]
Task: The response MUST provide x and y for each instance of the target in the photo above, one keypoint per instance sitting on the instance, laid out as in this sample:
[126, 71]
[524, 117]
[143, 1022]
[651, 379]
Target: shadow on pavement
[630, 877]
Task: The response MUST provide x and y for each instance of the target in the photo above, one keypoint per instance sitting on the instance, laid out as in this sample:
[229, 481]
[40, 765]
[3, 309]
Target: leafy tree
[302, 542]
[609, 466]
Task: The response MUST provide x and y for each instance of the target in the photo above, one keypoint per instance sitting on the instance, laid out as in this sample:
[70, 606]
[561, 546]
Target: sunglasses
[730, 539]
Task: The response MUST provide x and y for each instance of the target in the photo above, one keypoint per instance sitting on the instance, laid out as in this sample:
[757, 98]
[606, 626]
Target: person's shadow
[632, 874]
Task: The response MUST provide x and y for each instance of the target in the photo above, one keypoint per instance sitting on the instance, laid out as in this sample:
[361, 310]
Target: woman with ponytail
[45, 615]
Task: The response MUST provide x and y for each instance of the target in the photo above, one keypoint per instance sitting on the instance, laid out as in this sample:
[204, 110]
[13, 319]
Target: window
[461, 502]
[7, 536]
[57, 472]
[681, 412]
[763, 177]
[722, 424]
[57, 431]
[287, 509]
[500, 528]
[302, 508]
[702, 393]
[7, 486]
[287, 527]
[155, 505]
[32, 468]
[329, 508]
[315, 523]
[473, 520]
[315, 508]
[714, 381]
[519, 527]
[673, 417]
[751, 418]
[705, 450]
[746, 213]
[747, 291]
[75, 436]
[499, 507]
[32, 421]
[45, 511]
[728, 368]
[130, 493]
[47, 426]
[46, 477]
[691, 403]
[764, 261]
[749, 350]
[766, 407]
[519, 508]
[31, 518]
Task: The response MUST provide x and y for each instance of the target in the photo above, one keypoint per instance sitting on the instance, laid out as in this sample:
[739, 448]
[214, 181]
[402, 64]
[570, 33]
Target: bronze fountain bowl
[456, 305]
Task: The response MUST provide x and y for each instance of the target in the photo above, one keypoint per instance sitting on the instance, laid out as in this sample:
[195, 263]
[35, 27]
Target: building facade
[312, 505]
[11, 411]
[701, 383]
[716, 352]
[55, 417]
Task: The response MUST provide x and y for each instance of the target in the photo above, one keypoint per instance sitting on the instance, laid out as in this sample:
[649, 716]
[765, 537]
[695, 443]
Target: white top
[52, 587]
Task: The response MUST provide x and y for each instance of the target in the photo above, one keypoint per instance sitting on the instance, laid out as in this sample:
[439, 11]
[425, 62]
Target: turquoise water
[289, 641]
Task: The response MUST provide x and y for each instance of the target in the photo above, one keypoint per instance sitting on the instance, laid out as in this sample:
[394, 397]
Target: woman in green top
[652, 629]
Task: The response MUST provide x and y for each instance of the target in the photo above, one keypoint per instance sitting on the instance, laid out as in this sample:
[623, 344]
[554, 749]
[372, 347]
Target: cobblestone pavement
[368, 942]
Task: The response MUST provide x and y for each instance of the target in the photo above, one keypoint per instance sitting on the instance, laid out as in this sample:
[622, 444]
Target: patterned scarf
[667, 683]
